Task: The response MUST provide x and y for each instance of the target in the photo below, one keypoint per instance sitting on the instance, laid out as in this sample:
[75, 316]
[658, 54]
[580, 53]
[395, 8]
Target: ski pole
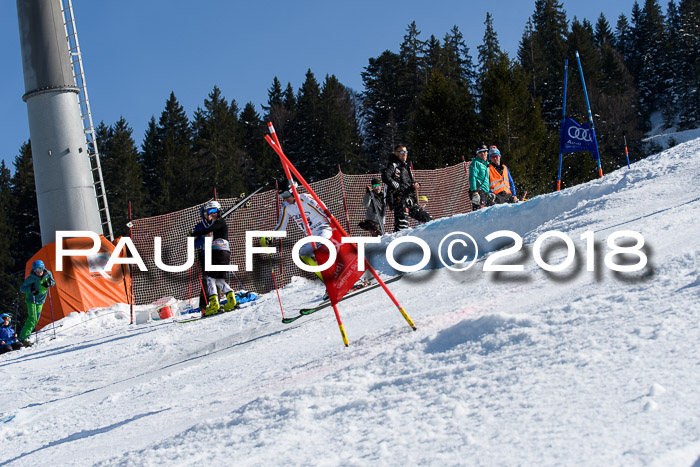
[36, 336]
[53, 323]
[201, 284]
[243, 201]
[189, 287]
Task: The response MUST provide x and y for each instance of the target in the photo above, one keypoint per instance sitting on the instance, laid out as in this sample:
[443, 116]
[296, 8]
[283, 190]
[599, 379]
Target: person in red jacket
[500, 181]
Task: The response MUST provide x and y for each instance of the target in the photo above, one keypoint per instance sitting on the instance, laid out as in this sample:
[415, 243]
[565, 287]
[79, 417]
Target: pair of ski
[327, 303]
[203, 316]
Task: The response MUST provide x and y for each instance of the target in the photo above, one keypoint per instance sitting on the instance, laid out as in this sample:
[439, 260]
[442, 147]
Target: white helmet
[211, 207]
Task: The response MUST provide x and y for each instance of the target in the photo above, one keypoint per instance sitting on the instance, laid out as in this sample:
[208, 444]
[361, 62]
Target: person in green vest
[35, 288]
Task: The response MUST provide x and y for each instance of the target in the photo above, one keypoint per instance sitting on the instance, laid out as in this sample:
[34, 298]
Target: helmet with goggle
[212, 207]
[284, 187]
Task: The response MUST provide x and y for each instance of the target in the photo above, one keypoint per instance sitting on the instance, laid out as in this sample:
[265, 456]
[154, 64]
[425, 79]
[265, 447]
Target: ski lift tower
[69, 187]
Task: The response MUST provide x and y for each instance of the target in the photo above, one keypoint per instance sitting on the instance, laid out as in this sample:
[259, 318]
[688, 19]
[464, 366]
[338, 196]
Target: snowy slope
[510, 368]
[665, 137]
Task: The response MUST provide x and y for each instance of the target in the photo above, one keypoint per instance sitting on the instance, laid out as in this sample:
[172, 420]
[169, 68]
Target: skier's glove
[266, 241]
[34, 290]
[476, 199]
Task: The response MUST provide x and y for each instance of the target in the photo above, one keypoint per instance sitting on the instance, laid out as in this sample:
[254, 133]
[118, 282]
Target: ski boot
[213, 306]
[311, 262]
[230, 301]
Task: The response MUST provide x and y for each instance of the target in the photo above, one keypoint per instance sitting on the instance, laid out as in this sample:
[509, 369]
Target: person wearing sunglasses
[402, 189]
[8, 337]
[214, 226]
[375, 206]
[35, 287]
[318, 222]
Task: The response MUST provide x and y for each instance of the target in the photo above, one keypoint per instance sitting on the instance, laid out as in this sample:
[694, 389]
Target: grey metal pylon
[86, 115]
[65, 185]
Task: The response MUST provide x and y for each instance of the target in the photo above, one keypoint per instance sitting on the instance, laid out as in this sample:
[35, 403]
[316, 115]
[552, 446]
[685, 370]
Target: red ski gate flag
[343, 274]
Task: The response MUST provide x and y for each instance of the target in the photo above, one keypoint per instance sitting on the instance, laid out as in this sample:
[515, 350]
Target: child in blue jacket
[8, 337]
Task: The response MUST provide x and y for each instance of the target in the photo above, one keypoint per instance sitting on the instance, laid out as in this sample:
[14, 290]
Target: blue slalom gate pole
[590, 114]
[563, 121]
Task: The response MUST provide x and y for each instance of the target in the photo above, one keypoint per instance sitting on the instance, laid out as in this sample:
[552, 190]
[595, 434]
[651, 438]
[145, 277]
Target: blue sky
[136, 52]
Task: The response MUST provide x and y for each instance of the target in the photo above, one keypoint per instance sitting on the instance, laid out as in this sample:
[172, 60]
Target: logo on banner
[582, 134]
[575, 137]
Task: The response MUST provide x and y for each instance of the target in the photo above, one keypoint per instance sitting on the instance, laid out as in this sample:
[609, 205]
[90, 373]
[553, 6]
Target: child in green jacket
[35, 289]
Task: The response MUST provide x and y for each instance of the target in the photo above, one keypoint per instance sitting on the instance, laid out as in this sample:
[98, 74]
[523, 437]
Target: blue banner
[575, 137]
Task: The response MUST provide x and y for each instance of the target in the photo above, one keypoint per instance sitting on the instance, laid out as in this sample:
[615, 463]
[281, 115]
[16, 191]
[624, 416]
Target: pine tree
[216, 146]
[380, 111]
[652, 47]
[457, 64]
[169, 167]
[253, 144]
[581, 39]
[304, 147]
[512, 120]
[122, 174]
[688, 73]
[339, 137]
[25, 217]
[433, 53]
[603, 32]
[634, 56]
[150, 165]
[9, 279]
[280, 110]
[489, 50]
[445, 123]
[623, 37]
[411, 79]
[542, 52]
[670, 101]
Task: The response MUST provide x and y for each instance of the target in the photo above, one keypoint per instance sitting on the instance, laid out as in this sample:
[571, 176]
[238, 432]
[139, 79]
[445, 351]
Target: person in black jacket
[402, 190]
[211, 225]
[374, 204]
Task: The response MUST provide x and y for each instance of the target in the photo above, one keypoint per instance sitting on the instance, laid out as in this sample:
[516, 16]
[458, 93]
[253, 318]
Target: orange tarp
[81, 286]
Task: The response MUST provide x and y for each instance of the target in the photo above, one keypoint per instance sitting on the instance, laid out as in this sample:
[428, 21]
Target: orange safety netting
[447, 191]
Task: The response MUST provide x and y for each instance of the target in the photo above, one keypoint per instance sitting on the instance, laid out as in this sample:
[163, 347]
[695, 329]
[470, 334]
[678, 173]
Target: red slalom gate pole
[289, 166]
[285, 164]
[274, 281]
